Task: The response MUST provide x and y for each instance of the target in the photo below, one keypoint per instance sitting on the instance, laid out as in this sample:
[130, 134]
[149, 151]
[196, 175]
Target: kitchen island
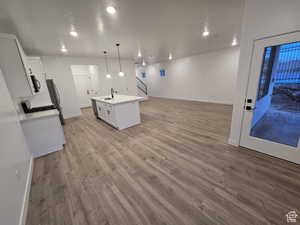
[121, 112]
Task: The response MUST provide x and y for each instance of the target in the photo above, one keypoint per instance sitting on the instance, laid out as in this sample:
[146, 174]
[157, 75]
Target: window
[266, 72]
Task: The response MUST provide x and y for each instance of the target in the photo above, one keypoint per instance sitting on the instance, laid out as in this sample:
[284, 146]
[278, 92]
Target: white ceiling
[156, 27]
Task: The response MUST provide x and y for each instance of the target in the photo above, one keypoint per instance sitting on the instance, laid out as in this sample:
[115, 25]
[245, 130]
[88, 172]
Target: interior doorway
[87, 83]
[272, 107]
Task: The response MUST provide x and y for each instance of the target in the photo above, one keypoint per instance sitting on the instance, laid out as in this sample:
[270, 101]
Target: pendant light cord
[118, 47]
[105, 56]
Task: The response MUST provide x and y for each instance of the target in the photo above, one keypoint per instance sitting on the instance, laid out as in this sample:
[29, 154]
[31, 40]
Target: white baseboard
[233, 142]
[49, 150]
[195, 100]
[25, 203]
[145, 98]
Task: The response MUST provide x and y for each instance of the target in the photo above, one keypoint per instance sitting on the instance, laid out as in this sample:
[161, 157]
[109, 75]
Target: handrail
[145, 86]
[144, 91]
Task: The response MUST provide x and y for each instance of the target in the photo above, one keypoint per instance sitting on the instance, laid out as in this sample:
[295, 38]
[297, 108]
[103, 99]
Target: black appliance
[36, 83]
[28, 109]
[55, 98]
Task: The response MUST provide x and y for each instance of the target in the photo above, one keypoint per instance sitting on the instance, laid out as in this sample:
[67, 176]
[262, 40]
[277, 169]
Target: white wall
[59, 68]
[14, 161]
[262, 18]
[97, 81]
[208, 77]
[100, 83]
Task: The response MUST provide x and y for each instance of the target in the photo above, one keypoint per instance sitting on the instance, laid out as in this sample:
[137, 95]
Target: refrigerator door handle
[57, 93]
[39, 84]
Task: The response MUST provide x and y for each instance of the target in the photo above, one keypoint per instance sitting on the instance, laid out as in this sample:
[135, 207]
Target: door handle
[249, 108]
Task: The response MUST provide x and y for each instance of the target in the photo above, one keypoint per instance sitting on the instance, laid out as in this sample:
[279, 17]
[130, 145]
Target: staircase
[142, 88]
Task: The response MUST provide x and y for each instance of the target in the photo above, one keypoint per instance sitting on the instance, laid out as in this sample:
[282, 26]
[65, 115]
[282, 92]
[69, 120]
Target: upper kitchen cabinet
[20, 80]
[36, 68]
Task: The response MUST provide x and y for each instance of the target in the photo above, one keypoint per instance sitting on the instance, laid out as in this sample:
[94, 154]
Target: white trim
[195, 100]
[145, 98]
[10, 36]
[233, 142]
[49, 150]
[23, 216]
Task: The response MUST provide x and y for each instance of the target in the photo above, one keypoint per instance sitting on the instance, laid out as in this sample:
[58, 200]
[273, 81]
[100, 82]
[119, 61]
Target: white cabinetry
[100, 110]
[110, 114]
[121, 112]
[14, 67]
[106, 112]
[43, 132]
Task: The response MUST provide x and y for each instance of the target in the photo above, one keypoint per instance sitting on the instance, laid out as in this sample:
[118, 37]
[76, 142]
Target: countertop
[118, 99]
[37, 115]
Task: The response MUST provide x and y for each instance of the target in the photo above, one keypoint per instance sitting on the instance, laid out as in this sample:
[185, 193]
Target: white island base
[120, 112]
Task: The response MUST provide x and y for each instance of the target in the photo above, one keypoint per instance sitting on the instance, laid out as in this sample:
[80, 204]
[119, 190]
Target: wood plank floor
[175, 168]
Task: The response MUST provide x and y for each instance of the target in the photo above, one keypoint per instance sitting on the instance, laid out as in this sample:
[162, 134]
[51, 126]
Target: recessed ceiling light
[234, 42]
[205, 33]
[139, 54]
[121, 74]
[170, 56]
[111, 9]
[73, 33]
[108, 76]
[63, 49]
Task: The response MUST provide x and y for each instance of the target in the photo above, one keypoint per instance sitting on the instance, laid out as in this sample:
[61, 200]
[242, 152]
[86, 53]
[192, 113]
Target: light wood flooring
[175, 168]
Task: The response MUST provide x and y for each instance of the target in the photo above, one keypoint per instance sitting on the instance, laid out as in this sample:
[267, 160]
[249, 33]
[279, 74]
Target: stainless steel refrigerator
[55, 98]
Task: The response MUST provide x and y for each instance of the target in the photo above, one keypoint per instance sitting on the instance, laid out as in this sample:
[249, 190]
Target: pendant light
[234, 42]
[121, 73]
[107, 73]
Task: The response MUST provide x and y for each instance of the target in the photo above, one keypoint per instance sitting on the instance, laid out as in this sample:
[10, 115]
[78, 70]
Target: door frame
[278, 150]
[75, 76]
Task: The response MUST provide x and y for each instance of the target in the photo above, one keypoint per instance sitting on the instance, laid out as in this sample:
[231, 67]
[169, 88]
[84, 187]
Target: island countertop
[118, 99]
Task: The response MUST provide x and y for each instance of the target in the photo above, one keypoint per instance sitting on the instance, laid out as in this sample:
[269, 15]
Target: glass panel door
[277, 109]
[272, 108]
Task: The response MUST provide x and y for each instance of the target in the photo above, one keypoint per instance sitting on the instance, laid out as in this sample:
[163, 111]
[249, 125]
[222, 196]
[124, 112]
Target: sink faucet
[112, 92]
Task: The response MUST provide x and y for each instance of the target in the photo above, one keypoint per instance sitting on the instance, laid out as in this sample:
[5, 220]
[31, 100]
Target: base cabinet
[105, 112]
[110, 115]
[127, 115]
[120, 116]
[101, 110]
[43, 135]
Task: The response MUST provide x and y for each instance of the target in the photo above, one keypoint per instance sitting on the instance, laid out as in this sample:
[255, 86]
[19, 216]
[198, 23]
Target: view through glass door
[272, 108]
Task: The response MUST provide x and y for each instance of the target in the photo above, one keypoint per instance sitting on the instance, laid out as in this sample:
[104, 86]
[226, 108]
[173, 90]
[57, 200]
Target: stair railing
[142, 86]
